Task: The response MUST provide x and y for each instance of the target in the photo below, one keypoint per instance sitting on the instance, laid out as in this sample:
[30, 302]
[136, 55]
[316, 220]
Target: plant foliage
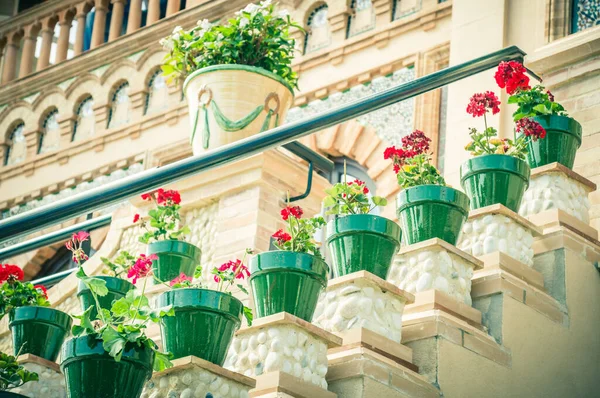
[12, 374]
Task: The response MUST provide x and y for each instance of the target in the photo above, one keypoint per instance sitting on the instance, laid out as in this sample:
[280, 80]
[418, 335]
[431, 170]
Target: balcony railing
[117, 191]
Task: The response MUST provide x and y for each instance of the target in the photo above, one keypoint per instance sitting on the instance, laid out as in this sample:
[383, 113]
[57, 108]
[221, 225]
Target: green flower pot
[287, 281]
[91, 373]
[204, 323]
[117, 288]
[174, 257]
[39, 331]
[8, 394]
[362, 242]
[431, 211]
[492, 179]
[563, 138]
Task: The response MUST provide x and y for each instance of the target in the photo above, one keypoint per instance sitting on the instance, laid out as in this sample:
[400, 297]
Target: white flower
[167, 44]
[265, 3]
[204, 24]
[220, 36]
[177, 29]
[251, 8]
[243, 22]
[283, 14]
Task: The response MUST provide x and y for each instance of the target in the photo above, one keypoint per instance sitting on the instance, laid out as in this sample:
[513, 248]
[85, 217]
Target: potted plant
[426, 207]
[204, 320]
[563, 132]
[164, 234]
[356, 239]
[117, 286]
[111, 356]
[238, 76]
[13, 375]
[36, 328]
[290, 279]
[498, 173]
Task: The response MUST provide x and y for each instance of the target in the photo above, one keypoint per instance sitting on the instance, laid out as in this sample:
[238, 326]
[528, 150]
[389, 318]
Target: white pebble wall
[283, 348]
[497, 232]
[360, 303]
[556, 191]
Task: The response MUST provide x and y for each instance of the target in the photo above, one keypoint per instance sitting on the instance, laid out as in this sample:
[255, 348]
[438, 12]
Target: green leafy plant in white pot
[238, 78]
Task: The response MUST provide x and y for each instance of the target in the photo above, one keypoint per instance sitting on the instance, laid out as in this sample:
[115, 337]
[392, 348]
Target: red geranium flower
[295, 211]
[8, 270]
[531, 128]
[136, 218]
[281, 236]
[147, 196]
[416, 143]
[180, 279]
[142, 267]
[511, 75]
[80, 236]
[481, 102]
[42, 289]
[168, 198]
[550, 96]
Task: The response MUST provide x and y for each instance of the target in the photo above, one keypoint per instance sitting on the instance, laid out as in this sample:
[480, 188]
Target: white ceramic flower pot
[230, 102]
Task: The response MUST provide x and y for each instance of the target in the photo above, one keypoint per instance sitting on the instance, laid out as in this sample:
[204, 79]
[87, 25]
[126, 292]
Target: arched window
[16, 150]
[50, 137]
[85, 119]
[318, 34]
[403, 8]
[157, 96]
[362, 18]
[119, 106]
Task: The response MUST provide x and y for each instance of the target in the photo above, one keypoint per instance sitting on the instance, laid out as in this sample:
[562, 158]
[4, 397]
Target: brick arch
[20, 110]
[88, 81]
[361, 144]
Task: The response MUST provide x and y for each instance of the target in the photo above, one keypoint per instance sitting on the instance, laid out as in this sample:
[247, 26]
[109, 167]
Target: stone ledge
[436, 300]
[502, 261]
[559, 168]
[284, 318]
[505, 211]
[549, 219]
[561, 237]
[193, 361]
[436, 242]
[29, 358]
[384, 285]
[275, 382]
[436, 323]
[362, 362]
[377, 343]
[504, 282]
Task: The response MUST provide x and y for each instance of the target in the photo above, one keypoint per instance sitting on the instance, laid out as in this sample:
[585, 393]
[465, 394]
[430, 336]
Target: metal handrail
[117, 191]
[54, 237]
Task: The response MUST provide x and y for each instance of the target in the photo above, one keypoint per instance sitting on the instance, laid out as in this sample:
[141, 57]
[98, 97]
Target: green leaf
[248, 315]
[97, 285]
[85, 324]
[113, 343]
[120, 307]
[161, 361]
[379, 201]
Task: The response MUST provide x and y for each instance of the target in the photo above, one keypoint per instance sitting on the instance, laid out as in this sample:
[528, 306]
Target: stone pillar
[30, 34]
[153, 12]
[65, 19]
[99, 23]
[47, 34]
[172, 7]
[10, 57]
[81, 11]
[116, 21]
[199, 378]
[193, 3]
[135, 16]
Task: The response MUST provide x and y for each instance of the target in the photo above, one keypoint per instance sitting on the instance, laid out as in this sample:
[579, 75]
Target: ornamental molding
[425, 19]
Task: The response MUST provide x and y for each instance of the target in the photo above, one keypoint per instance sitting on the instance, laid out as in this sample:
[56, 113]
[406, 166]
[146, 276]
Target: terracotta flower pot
[431, 211]
[39, 331]
[492, 179]
[230, 102]
[362, 242]
[218, 315]
[287, 281]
